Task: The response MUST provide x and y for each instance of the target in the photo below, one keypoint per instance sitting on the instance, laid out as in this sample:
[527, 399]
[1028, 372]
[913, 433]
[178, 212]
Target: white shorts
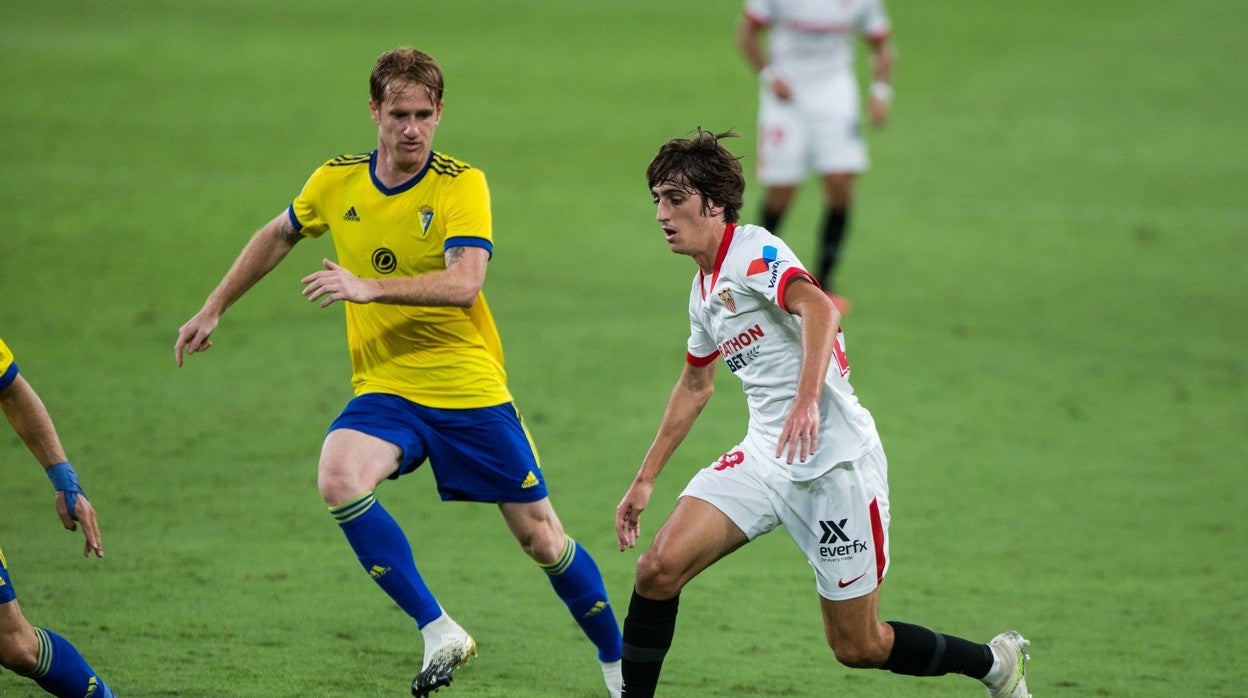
[839, 520]
[819, 128]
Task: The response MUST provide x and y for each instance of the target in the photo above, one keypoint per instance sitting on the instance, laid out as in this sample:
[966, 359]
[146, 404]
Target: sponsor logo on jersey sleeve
[763, 264]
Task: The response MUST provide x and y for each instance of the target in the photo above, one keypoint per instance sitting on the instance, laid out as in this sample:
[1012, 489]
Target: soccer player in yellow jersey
[413, 235]
[40, 654]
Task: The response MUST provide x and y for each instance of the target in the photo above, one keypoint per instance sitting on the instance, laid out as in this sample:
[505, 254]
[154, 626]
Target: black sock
[648, 630]
[834, 225]
[918, 651]
[771, 220]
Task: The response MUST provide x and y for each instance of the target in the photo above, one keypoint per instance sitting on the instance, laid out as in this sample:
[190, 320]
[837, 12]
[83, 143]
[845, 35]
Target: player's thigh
[694, 537]
[838, 144]
[352, 463]
[783, 142]
[840, 523]
[484, 455]
[722, 508]
[19, 646]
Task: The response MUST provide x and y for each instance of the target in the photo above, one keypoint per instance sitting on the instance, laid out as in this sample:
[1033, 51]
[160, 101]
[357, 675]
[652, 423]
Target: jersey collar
[724, 244]
[391, 191]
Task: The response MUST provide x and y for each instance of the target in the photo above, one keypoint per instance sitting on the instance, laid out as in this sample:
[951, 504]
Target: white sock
[998, 668]
[437, 630]
[614, 676]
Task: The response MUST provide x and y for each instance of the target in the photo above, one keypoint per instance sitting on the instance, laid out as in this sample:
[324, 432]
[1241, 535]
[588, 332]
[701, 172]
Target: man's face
[406, 119]
[689, 228]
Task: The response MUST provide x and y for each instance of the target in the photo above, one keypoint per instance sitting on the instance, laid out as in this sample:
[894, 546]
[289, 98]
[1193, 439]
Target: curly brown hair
[405, 64]
[701, 165]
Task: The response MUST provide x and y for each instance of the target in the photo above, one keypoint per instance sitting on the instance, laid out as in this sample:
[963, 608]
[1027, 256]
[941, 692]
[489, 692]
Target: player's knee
[543, 543]
[655, 578]
[330, 486]
[338, 485]
[855, 654]
[19, 653]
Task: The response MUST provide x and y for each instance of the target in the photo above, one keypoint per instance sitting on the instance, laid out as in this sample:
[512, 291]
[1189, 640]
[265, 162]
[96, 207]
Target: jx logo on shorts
[835, 543]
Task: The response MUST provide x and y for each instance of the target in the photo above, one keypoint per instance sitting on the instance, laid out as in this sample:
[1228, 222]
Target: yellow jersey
[443, 357]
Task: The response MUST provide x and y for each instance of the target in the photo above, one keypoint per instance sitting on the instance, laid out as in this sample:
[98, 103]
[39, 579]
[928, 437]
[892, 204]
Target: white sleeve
[701, 344]
[874, 20]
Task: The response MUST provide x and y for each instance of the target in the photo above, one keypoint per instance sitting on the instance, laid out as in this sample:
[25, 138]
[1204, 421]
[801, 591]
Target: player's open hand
[83, 514]
[336, 283]
[195, 335]
[782, 89]
[628, 513]
[800, 437]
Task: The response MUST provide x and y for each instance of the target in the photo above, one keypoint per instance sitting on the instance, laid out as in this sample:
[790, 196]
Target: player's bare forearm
[263, 252]
[31, 422]
[749, 41]
[456, 285]
[268, 247]
[799, 439]
[882, 60]
[820, 321]
[690, 395]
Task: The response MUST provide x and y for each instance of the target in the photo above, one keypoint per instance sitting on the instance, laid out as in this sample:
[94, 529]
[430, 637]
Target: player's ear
[374, 110]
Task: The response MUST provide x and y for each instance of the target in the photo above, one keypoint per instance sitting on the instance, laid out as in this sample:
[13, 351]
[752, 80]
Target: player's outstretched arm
[693, 390]
[264, 251]
[29, 418]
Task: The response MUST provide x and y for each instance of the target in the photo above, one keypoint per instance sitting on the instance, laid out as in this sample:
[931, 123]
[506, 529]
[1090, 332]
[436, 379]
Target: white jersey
[738, 313]
[814, 39]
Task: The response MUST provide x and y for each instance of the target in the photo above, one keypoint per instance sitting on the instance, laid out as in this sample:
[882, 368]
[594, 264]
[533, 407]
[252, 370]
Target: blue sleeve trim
[465, 241]
[294, 220]
[8, 376]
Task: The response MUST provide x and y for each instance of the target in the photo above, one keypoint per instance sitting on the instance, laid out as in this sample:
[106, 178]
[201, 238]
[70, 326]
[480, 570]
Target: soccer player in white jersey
[810, 460]
[808, 106]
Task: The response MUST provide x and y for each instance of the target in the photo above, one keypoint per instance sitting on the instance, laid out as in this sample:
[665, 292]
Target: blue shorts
[478, 455]
[6, 587]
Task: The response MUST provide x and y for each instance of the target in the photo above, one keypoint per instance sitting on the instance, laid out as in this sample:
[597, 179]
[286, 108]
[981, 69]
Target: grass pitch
[1048, 263]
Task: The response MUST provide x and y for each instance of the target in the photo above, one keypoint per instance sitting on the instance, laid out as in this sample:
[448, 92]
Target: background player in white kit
[811, 458]
[808, 106]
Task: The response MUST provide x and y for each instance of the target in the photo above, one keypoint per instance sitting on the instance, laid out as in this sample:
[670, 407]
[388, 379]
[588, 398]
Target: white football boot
[1010, 672]
[447, 648]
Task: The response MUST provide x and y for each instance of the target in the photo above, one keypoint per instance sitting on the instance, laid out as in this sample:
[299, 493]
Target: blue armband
[64, 479]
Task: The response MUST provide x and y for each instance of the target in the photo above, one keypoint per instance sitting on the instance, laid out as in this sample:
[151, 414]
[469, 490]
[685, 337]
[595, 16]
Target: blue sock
[386, 555]
[578, 582]
[63, 672]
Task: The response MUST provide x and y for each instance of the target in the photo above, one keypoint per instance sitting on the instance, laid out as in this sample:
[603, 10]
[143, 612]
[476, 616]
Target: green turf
[1048, 261]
